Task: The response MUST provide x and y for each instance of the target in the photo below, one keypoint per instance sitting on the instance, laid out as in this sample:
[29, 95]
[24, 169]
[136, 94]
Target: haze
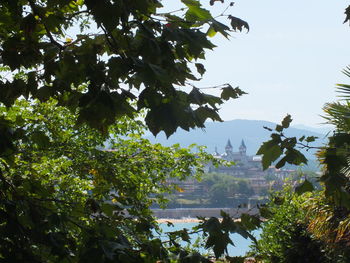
[289, 62]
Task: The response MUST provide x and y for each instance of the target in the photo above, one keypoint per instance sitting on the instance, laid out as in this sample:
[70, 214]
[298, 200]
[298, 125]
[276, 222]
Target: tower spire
[243, 148]
[228, 147]
[216, 153]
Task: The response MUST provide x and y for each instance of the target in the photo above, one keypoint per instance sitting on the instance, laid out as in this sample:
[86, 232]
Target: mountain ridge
[216, 135]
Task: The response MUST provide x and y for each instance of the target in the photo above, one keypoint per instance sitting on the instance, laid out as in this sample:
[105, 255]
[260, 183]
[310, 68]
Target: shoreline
[178, 220]
[187, 220]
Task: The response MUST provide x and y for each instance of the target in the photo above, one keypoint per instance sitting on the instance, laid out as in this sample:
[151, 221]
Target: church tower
[228, 148]
[216, 153]
[243, 148]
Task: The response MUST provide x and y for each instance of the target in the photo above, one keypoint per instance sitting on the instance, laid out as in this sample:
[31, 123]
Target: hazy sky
[289, 62]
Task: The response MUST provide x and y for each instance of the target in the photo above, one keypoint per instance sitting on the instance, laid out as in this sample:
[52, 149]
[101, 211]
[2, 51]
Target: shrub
[284, 235]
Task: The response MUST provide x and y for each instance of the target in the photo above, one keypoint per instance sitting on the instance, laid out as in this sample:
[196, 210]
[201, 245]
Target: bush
[284, 235]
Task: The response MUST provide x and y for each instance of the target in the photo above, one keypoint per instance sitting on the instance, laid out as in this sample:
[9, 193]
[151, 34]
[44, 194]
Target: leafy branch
[280, 145]
[48, 32]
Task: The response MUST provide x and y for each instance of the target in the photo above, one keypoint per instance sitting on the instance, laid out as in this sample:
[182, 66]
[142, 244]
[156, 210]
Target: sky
[288, 63]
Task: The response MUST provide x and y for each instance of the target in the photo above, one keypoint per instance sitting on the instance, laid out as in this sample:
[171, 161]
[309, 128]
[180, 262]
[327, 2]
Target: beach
[178, 220]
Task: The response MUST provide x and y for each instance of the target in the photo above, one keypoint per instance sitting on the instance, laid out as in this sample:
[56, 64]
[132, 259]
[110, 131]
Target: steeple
[228, 147]
[216, 153]
[242, 148]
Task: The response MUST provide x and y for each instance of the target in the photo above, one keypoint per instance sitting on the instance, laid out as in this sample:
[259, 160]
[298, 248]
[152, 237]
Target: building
[244, 165]
[248, 167]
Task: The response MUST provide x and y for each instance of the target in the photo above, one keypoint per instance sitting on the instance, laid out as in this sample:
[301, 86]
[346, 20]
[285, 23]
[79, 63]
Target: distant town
[243, 184]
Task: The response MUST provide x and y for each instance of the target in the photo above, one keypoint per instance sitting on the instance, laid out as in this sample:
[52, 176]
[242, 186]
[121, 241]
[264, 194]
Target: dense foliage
[72, 65]
[63, 198]
[130, 54]
[325, 215]
[77, 73]
[284, 235]
[222, 189]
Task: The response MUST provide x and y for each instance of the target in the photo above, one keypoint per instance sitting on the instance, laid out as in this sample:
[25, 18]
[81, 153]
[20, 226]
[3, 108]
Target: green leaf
[44, 93]
[213, 1]
[190, 3]
[105, 13]
[279, 128]
[250, 222]
[238, 24]
[204, 113]
[195, 12]
[218, 241]
[196, 96]
[286, 121]
[271, 151]
[40, 138]
[185, 236]
[215, 27]
[231, 93]
[294, 156]
[304, 187]
[267, 128]
[278, 200]
[211, 225]
[265, 212]
[109, 248]
[311, 138]
[281, 162]
[211, 31]
[200, 68]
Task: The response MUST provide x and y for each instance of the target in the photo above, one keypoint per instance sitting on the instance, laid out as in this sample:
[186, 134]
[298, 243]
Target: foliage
[222, 188]
[334, 156]
[284, 235]
[63, 199]
[218, 232]
[330, 224]
[211, 190]
[328, 211]
[280, 145]
[95, 66]
[131, 56]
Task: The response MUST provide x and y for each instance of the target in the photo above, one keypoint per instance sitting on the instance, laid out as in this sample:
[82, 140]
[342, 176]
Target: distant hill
[216, 134]
[325, 129]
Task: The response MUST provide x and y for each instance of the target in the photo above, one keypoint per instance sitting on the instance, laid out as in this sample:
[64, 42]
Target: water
[241, 244]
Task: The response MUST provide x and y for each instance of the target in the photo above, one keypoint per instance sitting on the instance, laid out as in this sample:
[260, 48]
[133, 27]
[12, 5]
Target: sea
[240, 248]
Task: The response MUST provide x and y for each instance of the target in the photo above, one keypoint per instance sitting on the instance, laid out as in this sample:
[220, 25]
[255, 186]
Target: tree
[285, 236]
[100, 63]
[328, 210]
[223, 187]
[128, 55]
[64, 199]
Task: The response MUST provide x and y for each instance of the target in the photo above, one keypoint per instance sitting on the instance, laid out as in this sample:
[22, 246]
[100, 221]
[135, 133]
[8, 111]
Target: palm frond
[346, 71]
[338, 114]
[344, 89]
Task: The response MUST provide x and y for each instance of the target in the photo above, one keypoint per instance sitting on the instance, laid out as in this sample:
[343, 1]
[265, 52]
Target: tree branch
[48, 33]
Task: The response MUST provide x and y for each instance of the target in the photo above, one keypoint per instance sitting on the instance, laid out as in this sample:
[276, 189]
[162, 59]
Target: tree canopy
[64, 199]
[75, 74]
[326, 212]
[129, 56]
